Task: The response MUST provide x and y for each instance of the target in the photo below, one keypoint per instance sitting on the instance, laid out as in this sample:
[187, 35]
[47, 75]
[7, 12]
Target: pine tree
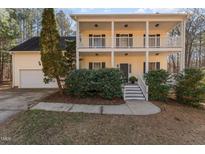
[70, 55]
[51, 54]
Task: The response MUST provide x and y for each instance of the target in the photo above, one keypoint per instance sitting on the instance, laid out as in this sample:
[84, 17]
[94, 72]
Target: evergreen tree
[70, 55]
[51, 54]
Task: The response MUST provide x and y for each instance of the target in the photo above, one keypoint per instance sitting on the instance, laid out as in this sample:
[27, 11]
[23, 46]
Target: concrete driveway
[13, 101]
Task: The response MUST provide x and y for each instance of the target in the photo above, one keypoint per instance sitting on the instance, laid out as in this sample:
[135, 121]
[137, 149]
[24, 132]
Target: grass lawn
[176, 124]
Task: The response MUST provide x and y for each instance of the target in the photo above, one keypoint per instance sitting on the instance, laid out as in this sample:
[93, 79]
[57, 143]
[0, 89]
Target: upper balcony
[126, 41]
[130, 35]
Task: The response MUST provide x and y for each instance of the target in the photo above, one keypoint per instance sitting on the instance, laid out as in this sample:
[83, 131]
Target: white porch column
[147, 62]
[77, 45]
[147, 35]
[147, 46]
[77, 60]
[113, 59]
[112, 44]
[112, 34]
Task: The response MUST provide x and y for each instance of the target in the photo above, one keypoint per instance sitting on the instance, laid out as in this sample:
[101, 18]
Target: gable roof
[33, 44]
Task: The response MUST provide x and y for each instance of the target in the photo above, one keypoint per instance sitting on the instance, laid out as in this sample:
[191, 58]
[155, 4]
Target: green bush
[133, 79]
[103, 82]
[157, 81]
[190, 88]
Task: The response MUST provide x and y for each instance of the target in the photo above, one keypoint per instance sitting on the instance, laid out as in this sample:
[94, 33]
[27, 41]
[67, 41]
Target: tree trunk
[200, 50]
[59, 85]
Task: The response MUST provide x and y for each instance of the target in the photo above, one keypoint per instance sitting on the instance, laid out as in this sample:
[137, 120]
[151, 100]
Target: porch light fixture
[157, 54]
[96, 54]
[126, 54]
[96, 25]
[39, 63]
[126, 25]
[157, 25]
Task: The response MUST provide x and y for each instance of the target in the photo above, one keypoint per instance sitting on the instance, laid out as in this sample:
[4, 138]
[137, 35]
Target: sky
[119, 10]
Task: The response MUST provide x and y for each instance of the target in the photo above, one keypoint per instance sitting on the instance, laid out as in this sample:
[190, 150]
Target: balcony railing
[130, 42]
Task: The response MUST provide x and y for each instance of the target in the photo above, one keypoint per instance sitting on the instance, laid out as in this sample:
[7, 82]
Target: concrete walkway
[129, 108]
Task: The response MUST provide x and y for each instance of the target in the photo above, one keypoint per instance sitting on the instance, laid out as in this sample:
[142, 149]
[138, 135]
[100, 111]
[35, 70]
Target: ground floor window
[153, 66]
[96, 65]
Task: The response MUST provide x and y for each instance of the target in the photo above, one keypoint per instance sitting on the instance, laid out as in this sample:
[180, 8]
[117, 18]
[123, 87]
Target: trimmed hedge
[157, 81]
[103, 82]
[190, 88]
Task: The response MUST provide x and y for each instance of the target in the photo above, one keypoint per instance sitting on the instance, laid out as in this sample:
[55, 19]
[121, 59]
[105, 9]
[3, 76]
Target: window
[96, 65]
[154, 40]
[152, 66]
[124, 40]
[96, 41]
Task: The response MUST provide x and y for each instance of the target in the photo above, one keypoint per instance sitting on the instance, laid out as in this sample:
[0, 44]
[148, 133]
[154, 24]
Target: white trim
[91, 50]
[127, 20]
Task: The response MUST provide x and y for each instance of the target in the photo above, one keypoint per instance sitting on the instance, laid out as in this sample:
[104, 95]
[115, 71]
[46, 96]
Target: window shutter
[103, 40]
[144, 39]
[117, 40]
[90, 66]
[90, 40]
[144, 67]
[158, 40]
[130, 40]
[103, 64]
[157, 65]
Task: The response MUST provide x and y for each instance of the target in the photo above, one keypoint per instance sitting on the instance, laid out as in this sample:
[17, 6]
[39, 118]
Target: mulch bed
[97, 100]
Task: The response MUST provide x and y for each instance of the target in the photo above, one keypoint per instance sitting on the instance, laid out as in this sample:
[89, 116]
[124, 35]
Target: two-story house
[134, 43]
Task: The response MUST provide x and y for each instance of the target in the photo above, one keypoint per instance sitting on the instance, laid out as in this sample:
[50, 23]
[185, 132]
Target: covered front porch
[131, 63]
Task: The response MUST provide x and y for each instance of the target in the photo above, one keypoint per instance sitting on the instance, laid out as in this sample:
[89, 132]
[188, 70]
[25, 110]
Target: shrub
[157, 81]
[103, 82]
[190, 88]
[132, 79]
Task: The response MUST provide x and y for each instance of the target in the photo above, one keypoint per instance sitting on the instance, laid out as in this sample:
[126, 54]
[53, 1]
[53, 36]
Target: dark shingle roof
[33, 44]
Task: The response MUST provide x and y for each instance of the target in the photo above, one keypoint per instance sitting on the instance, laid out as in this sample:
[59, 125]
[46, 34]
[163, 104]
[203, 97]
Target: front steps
[133, 92]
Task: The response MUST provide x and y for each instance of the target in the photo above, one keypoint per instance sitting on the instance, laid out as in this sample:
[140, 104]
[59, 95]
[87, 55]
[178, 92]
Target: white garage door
[34, 79]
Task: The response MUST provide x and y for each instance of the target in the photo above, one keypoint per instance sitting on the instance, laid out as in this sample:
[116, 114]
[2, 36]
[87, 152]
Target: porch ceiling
[131, 26]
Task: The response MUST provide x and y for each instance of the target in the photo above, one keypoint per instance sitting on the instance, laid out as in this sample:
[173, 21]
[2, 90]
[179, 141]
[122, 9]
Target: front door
[124, 69]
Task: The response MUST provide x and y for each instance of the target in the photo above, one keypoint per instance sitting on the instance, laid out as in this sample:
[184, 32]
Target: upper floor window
[154, 40]
[124, 40]
[96, 41]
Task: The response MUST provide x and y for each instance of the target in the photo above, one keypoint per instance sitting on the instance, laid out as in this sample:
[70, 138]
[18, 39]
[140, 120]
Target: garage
[33, 78]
